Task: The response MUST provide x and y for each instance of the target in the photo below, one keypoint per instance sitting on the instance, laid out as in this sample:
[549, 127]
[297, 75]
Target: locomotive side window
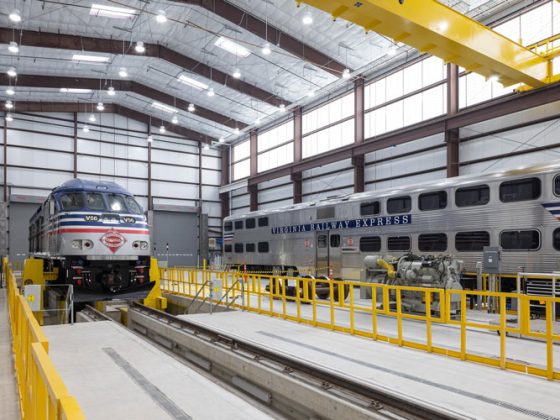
[249, 247]
[227, 248]
[520, 240]
[335, 241]
[325, 212]
[432, 242]
[398, 243]
[72, 201]
[238, 248]
[95, 201]
[520, 190]
[478, 195]
[132, 205]
[263, 221]
[432, 201]
[228, 227]
[322, 241]
[399, 204]
[238, 224]
[369, 209]
[370, 244]
[263, 247]
[556, 239]
[116, 202]
[250, 223]
[557, 185]
[472, 241]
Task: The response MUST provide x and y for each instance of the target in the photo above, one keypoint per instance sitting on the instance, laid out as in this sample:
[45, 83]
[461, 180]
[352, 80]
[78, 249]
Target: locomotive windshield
[98, 201]
[95, 201]
[72, 201]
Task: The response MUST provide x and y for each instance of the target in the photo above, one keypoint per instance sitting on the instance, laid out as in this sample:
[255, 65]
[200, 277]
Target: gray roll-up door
[18, 229]
[180, 231]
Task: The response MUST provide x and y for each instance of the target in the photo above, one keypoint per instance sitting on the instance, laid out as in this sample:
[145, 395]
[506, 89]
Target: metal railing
[43, 394]
[291, 297]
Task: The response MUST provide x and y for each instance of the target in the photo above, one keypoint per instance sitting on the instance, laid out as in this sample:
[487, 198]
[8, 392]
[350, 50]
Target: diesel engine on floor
[438, 272]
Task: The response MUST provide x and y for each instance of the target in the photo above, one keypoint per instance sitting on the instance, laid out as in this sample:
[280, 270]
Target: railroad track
[369, 401]
[92, 314]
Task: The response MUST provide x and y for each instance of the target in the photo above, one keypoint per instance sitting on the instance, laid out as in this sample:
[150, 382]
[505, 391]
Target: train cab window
[520, 240]
[335, 241]
[263, 221]
[557, 185]
[249, 247]
[398, 243]
[116, 202]
[399, 204]
[478, 195]
[325, 212]
[228, 227]
[432, 201]
[238, 224]
[471, 241]
[370, 244]
[238, 248]
[132, 205]
[520, 190]
[72, 201]
[322, 241]
[432, 242]
[95, 201]
[227, 248]
[369, 209]
[250, 223]
[262, 247]
[51, 207]
[556, 239]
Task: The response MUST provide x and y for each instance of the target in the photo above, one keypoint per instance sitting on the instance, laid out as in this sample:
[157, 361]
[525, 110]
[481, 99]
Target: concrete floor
[467, 389]
[9, 396]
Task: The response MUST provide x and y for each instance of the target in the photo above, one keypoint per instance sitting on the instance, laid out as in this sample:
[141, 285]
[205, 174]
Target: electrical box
[33, 295]
[492, 258]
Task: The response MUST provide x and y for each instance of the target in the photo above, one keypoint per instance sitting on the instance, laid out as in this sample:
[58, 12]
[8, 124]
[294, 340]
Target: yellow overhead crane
[434, 28]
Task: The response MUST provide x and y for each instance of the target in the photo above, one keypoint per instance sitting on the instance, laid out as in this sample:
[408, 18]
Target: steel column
[359, 134]
[75, 148]
[297, 180]
[253, 150]
[297, 177]
[452, 139]
[150, 200]
[5, 159]
[253, 197]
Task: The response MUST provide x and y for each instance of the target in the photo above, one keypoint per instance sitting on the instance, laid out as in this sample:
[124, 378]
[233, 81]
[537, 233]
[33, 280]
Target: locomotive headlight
[87, 244]
[77, 244]
[140, 244]
[144, 245]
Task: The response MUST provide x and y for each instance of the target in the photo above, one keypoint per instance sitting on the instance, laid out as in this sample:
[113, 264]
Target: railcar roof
[88, 185]
[424, 186]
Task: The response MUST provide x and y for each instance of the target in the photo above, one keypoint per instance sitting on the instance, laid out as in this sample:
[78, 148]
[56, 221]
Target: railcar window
[262, 247]
[520, 190]
[132, 205]
[556, 239]
[399, 204]
[227, 248]
[472, 241]
[116, 202]
[432, 201]
[263, 221]
[249, 247]
[557, 185]
[238, 224]
[518, 240]
[398, 243]
[72, 201]
[370, 244]
[325, 212]
[335, 241]
[238, 248]
[322, 241]
[369, 209]
[432, 242]
[95, 201]
[478, 195]
[228, 226]
[250, 223]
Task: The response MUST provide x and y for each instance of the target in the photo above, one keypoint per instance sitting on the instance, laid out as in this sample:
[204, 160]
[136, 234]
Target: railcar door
[328, 253]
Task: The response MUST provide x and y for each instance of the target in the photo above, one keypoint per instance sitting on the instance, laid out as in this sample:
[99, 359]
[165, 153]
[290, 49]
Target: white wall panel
[336, 166]
[405, 148]
[407, 164]
[43, 125]
[276, 204]
[174, 173]
[39, 158]
[211, 177]
[277, 193]
[38, 178]
[23, 138]
[210, 193]
[408, 181]
[173, 190]
[211, 162]
[174, 158]
[174, 202]
[240, 201]
[241, 210]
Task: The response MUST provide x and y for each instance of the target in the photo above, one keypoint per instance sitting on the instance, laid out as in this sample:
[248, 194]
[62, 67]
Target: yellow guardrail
[43, 394]
[257, 297]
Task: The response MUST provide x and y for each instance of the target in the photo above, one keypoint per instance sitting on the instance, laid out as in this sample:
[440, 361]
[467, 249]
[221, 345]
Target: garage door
[18, 229]
[178, 230]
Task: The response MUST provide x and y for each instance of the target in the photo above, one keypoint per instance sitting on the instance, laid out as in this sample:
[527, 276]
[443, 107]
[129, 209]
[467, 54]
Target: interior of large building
[242, 209]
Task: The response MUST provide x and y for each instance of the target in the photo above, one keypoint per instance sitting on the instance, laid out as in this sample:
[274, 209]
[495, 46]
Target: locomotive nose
[113, 281]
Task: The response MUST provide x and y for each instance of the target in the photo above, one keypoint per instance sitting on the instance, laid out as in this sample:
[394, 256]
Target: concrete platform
[115, 374]
[9, 395]
[468, 389]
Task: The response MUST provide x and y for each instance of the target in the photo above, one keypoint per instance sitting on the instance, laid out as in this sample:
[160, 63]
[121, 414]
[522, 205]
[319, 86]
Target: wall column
[224, 197]
[253, 189]
[359, 134]
[150, 199]
[75, 154]
[452, 139]
[297, 177]
[5, 158]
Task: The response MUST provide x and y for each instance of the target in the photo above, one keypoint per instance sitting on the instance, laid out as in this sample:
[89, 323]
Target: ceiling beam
[271, 34]
[116, 46]
[23, 106]
[58, 82]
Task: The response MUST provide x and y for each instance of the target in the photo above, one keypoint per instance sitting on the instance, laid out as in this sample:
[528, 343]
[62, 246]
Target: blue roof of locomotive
[87, 185]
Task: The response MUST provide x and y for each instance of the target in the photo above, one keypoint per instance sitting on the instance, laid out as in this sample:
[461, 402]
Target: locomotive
[97, 237]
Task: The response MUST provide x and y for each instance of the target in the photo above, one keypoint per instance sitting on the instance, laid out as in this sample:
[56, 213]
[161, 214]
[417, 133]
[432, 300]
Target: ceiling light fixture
[236, 131]
[210, 92]
[236, 74]
[140, 48]
[165, 108]
[494, 78]
[102, 10]
[162, 129]
[150, 138]
[311, 93]
[12, 72]
[232, 47]
[9, 105]
[222, 140]
[9, 117]
[282, 108]
[206, 147]
[90, 58]
[266, 49]
[191, 107]
[74, 90]
[10, 91]
[85, 128]
[91, 118]
[307, 19]
[15, 16]
[122, 72]
[111, 91]
[174, 120]
[346, 74]
[392, 51]
[161, 17]
[13, 47]
[257, 122]
[100, 106]
[192, 82]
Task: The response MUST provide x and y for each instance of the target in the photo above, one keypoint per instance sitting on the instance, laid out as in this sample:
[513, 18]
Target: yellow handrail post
[259, 294]
[549, 341]
[399, 317]
[284, 298]
[298, 300]
[351, 308]
[374, 311]
[502, 332]
[314, 300]
[463, 326]
[331, 296]
[270, 296]
[428, 298]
